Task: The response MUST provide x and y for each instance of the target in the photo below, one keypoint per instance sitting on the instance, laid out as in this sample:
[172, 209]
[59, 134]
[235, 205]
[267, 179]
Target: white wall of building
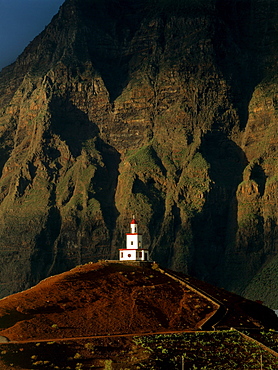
[133, 228]
[128, 254]
[134, 255]
[134, 241]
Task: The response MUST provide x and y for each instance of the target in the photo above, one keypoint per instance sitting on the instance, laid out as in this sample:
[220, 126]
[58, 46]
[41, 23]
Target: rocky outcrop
[123, 107]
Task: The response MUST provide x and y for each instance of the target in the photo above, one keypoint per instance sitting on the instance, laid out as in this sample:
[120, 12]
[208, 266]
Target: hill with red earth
[108, 298]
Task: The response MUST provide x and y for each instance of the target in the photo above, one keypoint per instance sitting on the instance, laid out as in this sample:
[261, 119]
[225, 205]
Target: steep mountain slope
[167, 111]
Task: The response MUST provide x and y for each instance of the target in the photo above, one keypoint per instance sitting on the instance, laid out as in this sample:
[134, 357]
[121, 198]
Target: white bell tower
[134, 250]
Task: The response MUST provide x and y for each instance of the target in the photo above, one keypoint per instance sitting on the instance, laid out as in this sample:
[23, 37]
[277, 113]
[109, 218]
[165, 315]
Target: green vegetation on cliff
[166, 109]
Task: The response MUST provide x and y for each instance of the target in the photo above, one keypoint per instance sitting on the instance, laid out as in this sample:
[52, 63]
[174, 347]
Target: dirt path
[216, 316]
[98, 337]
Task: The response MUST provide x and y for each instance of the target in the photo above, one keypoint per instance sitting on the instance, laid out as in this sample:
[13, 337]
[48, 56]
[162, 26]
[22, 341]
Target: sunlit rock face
[165, 111]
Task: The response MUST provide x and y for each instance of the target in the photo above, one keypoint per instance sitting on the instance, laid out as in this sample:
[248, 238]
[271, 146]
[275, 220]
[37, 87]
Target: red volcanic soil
[108, 298]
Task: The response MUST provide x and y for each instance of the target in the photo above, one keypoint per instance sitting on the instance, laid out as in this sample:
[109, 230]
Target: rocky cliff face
[165, 111]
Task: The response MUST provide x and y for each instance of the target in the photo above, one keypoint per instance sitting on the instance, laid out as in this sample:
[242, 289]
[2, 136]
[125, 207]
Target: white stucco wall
[133, 255]
[134, 241]
[127, 255]
[133, 228]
